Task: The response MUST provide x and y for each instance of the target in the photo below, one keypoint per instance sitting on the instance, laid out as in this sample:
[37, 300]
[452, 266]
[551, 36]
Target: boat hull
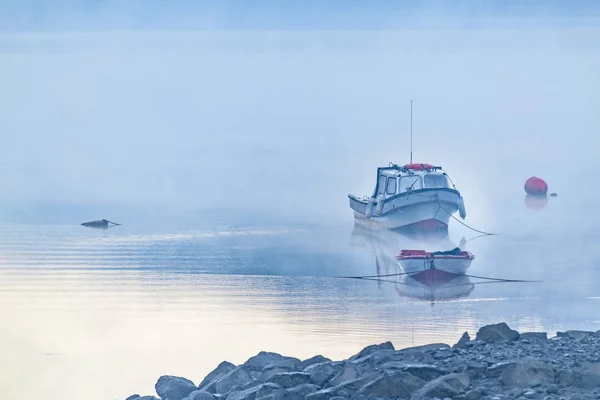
[426, 209]
[449, 264]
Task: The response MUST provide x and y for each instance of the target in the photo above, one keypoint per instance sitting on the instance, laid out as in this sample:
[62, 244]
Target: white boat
[454, 261]
[411, 196]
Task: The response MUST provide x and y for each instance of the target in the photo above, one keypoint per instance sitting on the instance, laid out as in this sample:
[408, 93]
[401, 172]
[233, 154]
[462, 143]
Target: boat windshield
[435, 181]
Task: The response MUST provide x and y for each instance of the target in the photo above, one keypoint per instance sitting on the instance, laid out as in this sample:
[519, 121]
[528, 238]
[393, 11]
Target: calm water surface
[101, 314]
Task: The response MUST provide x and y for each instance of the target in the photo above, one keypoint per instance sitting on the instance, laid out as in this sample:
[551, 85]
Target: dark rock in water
[221, 369]
[101, 223]
[528, 372]
[200, 395]
[174, 387]
[497, 333]
[446, 386]
[372, 349]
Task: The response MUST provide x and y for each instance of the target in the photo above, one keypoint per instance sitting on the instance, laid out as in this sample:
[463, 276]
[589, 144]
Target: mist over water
[226, 139]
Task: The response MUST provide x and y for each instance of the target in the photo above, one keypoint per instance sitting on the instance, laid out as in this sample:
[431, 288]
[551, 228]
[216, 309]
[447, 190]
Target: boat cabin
[396, 179]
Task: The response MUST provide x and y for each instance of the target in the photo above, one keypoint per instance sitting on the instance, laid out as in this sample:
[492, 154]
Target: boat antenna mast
[411, 125]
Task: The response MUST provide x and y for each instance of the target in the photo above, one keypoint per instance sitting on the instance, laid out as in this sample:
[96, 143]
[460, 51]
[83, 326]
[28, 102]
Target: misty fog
[288, 121]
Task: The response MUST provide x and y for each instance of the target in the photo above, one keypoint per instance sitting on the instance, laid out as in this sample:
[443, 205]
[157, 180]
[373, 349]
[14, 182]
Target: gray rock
[340, 390]
[266, 359]
[170, 387]
[529, 393]
[233, 380]
[552, 389]
[289, 380]
[321, 373]
[400, 384]
[133, 397]
[305, 389]
[446, 386]
[576, 335]
[200, 395]
[221, 369]
[464, 339]
[587, 377]
[148, 398]
[313, 360]
[265, 375]
[496, 370]
[497, 333]
[248, 394]
[474, 394]
[533, 336]
[347, 374]
[528, 372]
[427, 347]
[372, 349]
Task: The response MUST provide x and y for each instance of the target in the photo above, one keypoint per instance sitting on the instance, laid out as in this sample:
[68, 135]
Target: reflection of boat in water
[426, 285]
[100, 224]
[455, 261]
[434, 285]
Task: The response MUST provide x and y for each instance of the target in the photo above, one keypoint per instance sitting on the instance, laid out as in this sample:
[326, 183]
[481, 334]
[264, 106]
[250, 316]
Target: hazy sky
[289, 105]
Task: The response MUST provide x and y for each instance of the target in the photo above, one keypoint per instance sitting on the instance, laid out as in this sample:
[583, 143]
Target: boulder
[348, 373]
[344, 389]
[496, 370]
[289, 380]
[199, 395]
[304, 389]
[372, 349]
[313, 360]
[574, 334]
[464, 339]
[497, 333]
[174, 387]
[528, 372]
[422, 371]
[587, 377]
[231, 381]
[266, 359]
[321, 373]
[221, 369]
[533, 336]
[133, 397]
[398, 385]
[450, 385]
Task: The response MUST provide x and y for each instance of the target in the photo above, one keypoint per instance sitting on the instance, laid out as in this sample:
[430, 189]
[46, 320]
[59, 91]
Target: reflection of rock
[434, 285]
[535, 202]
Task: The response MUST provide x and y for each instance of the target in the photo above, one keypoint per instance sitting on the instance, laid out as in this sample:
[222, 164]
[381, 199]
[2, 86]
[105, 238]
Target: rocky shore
[499, 363]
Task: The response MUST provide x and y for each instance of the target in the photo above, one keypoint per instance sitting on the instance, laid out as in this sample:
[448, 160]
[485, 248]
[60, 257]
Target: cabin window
[436, 181]
[381, 184]
[391, 186]
[412, 182]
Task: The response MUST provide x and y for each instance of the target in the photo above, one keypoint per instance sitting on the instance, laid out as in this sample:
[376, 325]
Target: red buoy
[536, 186]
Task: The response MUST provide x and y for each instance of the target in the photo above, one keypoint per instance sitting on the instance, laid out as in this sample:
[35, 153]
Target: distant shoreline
[498, 363]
